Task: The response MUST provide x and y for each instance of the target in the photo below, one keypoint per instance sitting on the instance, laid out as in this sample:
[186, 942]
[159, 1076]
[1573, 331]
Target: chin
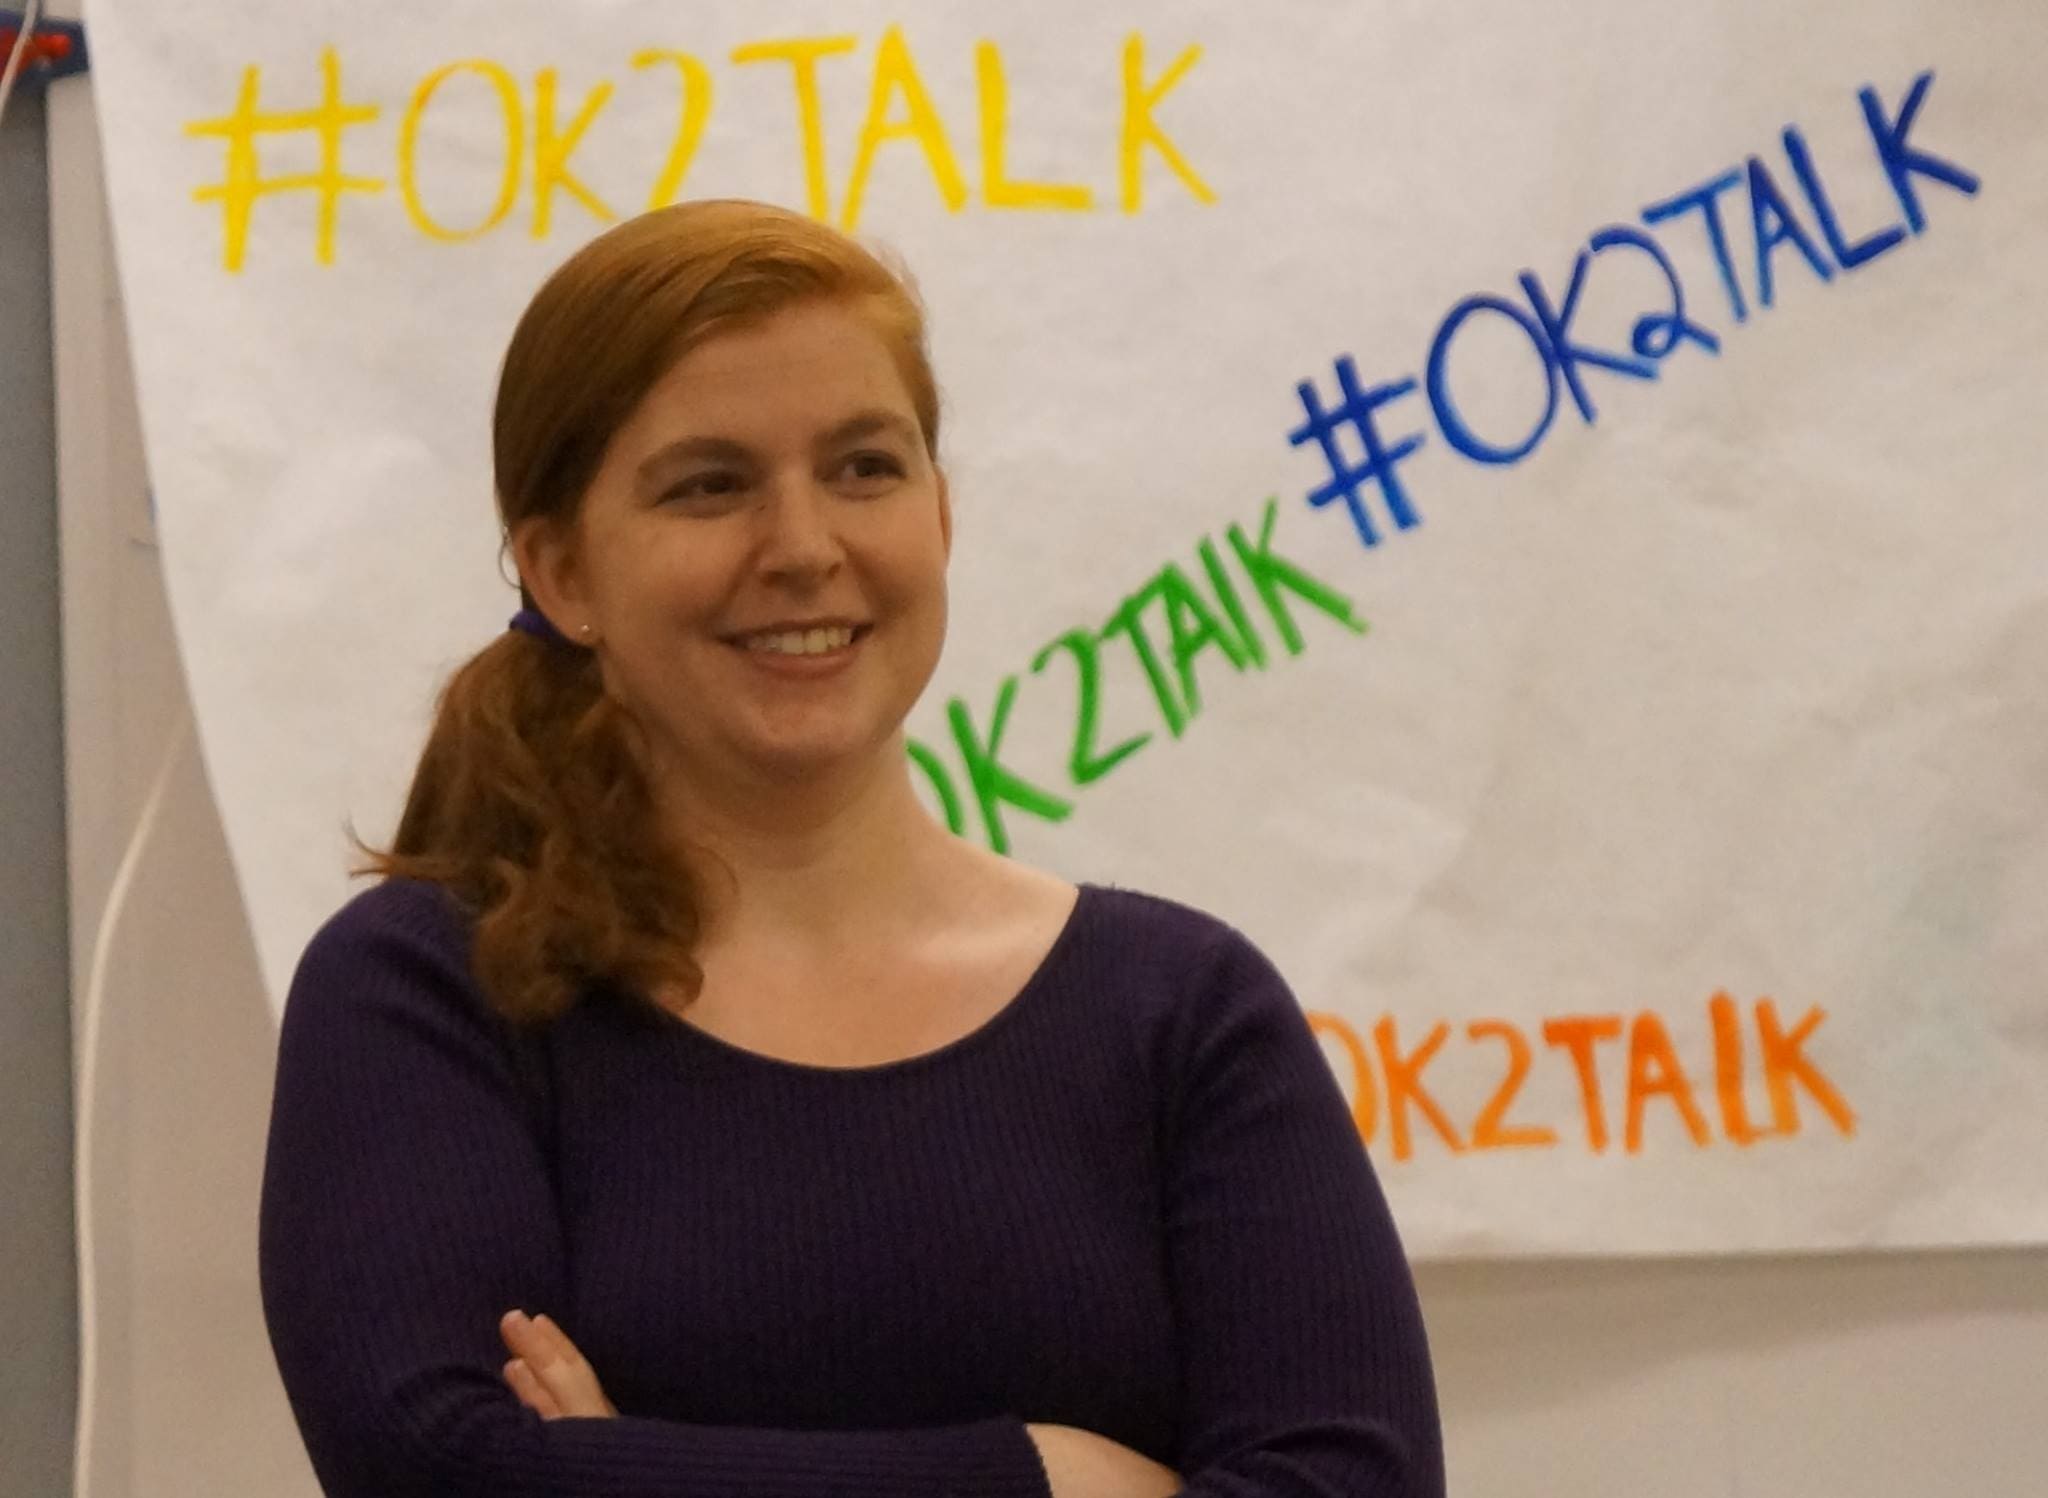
[790, 759]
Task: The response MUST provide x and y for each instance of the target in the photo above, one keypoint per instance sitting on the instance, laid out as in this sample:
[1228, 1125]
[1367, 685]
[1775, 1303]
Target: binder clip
[56, 49]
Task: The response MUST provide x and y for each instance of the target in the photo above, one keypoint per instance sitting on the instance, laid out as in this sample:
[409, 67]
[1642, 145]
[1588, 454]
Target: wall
[1859, 1377]
[38, 1377]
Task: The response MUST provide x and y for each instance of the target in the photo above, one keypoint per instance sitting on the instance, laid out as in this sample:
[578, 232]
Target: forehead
[806, 367]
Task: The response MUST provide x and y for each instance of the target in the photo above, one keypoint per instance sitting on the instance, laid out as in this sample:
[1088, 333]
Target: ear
[945, 514]
[550, 570]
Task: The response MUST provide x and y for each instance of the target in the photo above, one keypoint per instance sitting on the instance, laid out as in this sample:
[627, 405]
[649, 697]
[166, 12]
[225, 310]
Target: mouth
[824, 640]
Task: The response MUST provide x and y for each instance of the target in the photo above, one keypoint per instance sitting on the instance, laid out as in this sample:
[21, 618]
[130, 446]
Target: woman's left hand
[546, 1371]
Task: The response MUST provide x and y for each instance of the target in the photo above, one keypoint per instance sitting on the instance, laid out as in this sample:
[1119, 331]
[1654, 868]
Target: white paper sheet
[1655, 825]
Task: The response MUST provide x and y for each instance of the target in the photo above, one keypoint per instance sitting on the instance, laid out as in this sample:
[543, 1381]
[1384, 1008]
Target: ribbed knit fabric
[1134, 1202]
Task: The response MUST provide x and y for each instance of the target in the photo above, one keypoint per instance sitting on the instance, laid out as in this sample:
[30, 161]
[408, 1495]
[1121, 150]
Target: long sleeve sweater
[1134, 1202]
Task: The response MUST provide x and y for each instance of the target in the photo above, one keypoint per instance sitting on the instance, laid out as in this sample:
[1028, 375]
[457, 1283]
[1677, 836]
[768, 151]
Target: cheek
[916, 597]
[922, 598]
[917, 557]
[654, 583]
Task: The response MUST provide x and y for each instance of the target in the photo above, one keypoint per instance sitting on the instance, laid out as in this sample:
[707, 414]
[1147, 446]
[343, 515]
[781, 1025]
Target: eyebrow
[867, 424]
[861, 424]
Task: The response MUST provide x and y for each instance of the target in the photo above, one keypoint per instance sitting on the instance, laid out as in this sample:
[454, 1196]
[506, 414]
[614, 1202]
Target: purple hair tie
[535, 623]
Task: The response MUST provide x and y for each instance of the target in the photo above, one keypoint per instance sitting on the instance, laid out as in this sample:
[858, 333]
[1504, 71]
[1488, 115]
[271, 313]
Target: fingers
[555, 1365]
[535, 1371]
[549, 1352]
[531, 1391]
[545, 1346]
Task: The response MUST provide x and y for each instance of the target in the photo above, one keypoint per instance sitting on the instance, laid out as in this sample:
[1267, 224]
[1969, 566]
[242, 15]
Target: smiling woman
[787, 1143]
[716, 427]
[761, 556]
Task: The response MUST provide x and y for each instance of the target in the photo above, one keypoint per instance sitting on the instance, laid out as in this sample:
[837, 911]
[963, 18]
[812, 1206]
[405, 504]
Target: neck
[831, 861]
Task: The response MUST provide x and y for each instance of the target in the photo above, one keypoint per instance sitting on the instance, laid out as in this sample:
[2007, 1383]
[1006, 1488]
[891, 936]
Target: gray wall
[38, 1290]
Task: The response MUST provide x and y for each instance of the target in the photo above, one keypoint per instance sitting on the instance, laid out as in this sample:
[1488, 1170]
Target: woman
[855, 1159]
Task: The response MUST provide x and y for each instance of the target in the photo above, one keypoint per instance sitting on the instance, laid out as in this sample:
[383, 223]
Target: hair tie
[535, 623]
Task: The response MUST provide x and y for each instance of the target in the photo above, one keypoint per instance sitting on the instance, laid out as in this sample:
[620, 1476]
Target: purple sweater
[1134, 1202]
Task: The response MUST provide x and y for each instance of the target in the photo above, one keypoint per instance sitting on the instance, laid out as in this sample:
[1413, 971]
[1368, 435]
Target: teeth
[801, 641]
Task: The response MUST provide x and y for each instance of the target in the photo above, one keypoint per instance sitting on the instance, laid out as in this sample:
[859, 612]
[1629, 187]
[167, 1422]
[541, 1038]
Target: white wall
[1860, 1377]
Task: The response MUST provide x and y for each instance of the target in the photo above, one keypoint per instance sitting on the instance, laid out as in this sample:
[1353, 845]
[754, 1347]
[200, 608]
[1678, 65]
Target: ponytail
[530, 805]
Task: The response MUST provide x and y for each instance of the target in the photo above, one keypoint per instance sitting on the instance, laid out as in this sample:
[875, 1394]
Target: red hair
[531, 803]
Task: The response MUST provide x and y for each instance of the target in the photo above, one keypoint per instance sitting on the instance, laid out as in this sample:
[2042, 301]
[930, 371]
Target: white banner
[1526, 510]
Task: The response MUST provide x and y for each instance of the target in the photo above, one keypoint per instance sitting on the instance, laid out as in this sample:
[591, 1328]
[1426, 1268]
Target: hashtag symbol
[1348, 480]
[245, 183]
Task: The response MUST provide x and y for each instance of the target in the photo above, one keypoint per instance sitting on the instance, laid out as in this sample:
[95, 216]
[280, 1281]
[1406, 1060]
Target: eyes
[867, 474]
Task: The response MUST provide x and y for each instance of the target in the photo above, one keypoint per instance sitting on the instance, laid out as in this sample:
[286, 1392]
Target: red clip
[53, 46]
[56, 49]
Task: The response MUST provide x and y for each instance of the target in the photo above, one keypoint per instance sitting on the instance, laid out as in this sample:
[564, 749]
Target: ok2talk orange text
[1626, 1073]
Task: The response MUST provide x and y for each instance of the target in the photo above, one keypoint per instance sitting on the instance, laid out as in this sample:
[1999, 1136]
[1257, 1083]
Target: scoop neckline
[1039, 978]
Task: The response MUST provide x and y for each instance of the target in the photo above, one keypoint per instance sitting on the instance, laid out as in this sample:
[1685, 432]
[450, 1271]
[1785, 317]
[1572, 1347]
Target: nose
[799, 535]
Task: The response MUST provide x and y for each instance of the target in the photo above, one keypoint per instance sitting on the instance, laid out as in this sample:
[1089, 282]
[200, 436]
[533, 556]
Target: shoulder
[391, 915]
[1216, 1026]
[416, 905]
[385, 1002]
[399, 944]
[1187, 970]
[1162, 932]
[1160, 921]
